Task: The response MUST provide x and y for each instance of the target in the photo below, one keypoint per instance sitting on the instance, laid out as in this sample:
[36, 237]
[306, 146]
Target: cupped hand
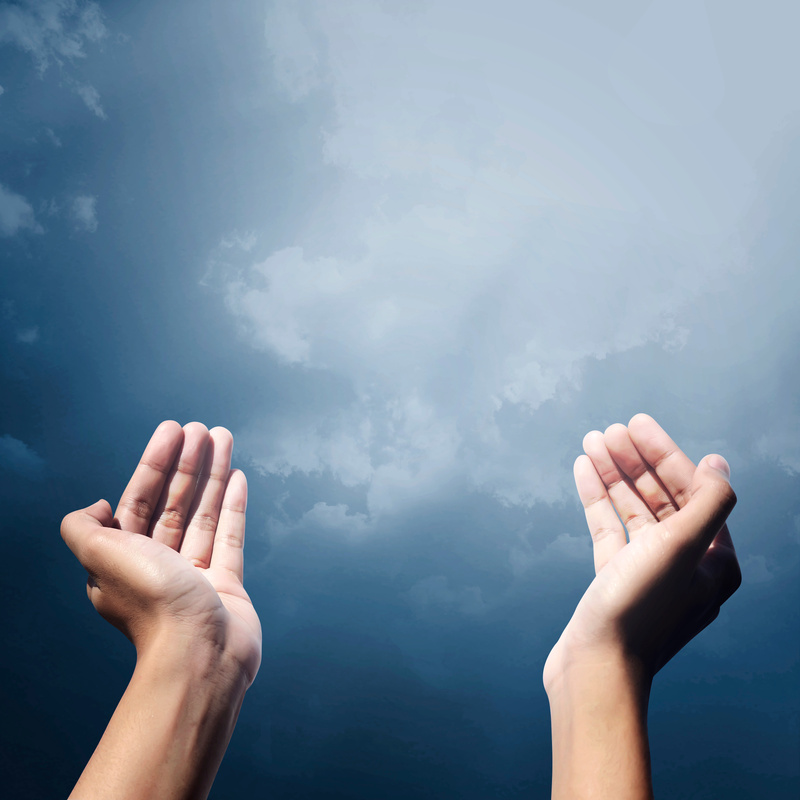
[169, 565]
[654, 593]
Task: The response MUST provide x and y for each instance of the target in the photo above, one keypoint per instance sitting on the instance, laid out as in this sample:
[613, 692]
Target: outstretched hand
[654, 593]
[169, 565]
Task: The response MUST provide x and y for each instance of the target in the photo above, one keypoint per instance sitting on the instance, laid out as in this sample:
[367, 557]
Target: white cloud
[56, 31]
[336, 517]
[51, 30]
[513, 216]
[18, 457]
[91, 97]
[84, 213]
[15, 213]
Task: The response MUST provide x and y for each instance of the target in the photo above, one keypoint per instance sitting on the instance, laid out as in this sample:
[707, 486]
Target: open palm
[170, 562]
[654, 593]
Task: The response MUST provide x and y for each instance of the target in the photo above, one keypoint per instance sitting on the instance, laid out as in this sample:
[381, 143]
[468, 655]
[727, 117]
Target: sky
[409, 252]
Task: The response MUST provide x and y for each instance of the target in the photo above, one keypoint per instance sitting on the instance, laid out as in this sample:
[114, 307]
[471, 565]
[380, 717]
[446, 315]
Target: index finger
[138, 501]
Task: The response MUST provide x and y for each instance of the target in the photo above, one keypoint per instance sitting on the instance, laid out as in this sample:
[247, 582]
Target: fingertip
[583, 469]
[168, 424]
[239, 477]
[104, 508]
[195, 428]
[220, 434]
[718, 463]
[640, 418]
[168, 429]
[168, 435]
[236, 491]
[615, 430]
[99, 513]
[591, 437]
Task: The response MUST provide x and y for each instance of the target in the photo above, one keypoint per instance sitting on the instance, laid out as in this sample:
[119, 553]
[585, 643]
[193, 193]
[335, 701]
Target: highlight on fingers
[204, 514]
[672, 466]
[169, 520]
[605, 528]
[140, 498]
[227, 552]
[632, 509]
[642, 475]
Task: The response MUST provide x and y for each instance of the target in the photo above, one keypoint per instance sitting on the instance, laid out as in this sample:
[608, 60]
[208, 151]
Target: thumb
[80, 527]
[712, 500]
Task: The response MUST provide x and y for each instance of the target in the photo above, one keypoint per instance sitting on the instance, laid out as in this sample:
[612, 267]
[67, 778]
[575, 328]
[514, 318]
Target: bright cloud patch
[513, 212]
[84, 213]
[51, 30]
[91, 97]
[15, 213]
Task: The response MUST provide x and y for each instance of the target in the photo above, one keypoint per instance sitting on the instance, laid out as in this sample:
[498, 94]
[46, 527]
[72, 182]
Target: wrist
[175, 655]
[598, 707]
[572, 667]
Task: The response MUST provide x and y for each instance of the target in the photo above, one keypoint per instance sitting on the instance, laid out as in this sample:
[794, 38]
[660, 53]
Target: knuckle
[138, 506]
[172, 518]
[636, 521]
[602, 533]
[231, 540]
[207, 523]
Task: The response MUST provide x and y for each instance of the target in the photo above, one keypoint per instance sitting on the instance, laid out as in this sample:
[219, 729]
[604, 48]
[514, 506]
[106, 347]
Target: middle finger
[169, 520]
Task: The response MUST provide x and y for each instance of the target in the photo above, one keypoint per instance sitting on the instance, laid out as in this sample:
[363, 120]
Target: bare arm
[650, 596]
[167, 571]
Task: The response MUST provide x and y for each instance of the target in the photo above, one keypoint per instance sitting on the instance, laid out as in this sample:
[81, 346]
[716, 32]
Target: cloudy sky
[409, 252]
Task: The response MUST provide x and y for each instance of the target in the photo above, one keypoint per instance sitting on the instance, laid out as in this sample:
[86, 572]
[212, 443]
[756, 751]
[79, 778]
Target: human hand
[653, 594]
[168, 568]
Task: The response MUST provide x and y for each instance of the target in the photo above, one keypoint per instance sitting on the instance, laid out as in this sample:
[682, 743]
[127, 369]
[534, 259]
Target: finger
[78, 526]
[631, 508]
[673, 467]
[228, 551]
[644, 479]
[140, 498]
[169, 519]
[700, 521]
[607, 532]
[198, 540]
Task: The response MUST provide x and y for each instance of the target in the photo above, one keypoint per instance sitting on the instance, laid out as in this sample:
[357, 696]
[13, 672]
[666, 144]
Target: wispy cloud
[51, 31]
[15, 213]
[56, 32]
[84, 213]
[18, 457]
[517, 213]
[91, 97]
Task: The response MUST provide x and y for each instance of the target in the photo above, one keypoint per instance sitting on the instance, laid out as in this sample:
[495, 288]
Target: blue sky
[409, 253]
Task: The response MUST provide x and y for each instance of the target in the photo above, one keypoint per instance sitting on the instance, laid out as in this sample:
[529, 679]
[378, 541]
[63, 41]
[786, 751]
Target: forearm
[170, 730]
[598, 713]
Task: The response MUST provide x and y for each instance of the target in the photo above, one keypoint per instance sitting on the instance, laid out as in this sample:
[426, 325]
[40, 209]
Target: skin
[167, 569]
[650, 596]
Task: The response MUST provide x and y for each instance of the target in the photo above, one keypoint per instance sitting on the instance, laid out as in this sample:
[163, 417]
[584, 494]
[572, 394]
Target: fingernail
[720, 464]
